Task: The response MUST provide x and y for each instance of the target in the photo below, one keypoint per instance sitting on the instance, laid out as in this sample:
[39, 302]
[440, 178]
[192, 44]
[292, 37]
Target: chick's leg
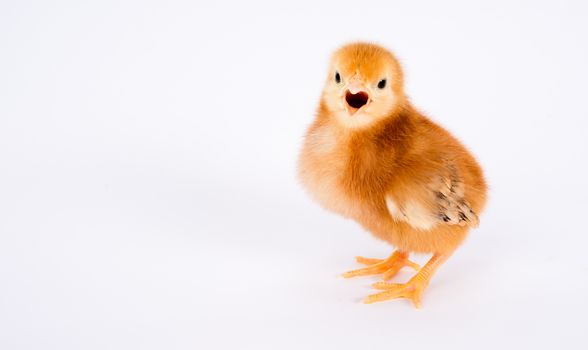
[388, 267]
[412, 289]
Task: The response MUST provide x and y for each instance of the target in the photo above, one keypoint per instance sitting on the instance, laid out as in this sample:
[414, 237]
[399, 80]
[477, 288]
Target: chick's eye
[337, 77]
[382, 84]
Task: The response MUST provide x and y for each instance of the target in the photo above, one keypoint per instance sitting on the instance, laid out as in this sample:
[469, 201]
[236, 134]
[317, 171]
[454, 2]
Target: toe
[366, 271]
[383, 296]
[367, 261]
[391, 272]
[413, 265]
[385, 285]
[416, 300]
[363, 272]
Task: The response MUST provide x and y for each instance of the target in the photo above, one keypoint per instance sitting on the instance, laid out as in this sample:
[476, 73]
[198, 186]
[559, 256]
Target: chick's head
[364, 85]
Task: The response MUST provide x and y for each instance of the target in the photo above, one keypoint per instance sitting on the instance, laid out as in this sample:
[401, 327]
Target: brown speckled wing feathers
[452, 207]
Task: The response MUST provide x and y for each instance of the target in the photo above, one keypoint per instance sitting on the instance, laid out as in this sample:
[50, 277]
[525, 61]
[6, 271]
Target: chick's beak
[355, 97]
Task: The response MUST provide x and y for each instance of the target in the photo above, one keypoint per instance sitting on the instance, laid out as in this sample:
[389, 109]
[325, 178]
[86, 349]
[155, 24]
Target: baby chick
[371, 156]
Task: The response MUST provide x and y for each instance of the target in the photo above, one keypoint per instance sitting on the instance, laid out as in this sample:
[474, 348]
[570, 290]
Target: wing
[441, 201]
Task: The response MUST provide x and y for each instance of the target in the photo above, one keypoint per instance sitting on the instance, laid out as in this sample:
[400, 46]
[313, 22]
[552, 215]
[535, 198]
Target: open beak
[355, 98]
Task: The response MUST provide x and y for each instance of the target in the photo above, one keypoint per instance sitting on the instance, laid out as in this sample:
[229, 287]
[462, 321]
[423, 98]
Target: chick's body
[370, 156]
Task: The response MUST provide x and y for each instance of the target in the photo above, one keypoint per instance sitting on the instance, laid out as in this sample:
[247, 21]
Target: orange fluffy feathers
[370, 156]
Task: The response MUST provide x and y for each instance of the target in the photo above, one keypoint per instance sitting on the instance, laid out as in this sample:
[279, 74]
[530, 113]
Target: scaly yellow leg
[412, 289]
[388, 267]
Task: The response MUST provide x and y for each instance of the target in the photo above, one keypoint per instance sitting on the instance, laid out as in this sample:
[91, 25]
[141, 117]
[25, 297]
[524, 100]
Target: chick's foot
[412, 289]
[387, 267]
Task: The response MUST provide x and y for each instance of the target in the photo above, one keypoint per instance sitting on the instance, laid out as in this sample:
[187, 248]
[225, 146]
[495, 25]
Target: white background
[148, 197]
